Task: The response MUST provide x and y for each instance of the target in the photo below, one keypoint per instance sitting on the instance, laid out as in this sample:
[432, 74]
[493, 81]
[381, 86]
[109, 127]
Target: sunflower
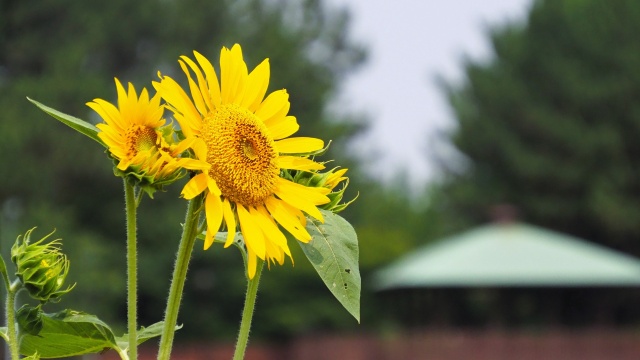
[137, 138]
[245, 138]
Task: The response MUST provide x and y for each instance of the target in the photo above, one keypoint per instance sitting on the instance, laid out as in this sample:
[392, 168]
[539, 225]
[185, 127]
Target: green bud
[41, 268]
[329, 179]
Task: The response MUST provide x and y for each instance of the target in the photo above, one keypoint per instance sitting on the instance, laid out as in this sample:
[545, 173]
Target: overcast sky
[410, 43]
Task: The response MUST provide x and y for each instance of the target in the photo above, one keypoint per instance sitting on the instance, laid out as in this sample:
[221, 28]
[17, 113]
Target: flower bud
[41, 268]
[329, 179]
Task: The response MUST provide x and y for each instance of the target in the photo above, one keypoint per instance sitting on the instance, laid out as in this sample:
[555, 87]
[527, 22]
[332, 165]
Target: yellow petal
[180, 102]
[204, 89]
[288, 221]
[195, 186]
[286, 127]
[109, 113]
[301, 197]
[212, 78]
[196, 94]
[213, 210]
[251, 263]
[253, 237]
[230, 219]
[257, 84]
[233, 75]
[275, 104]
[270, 229]
[299, 145]
[298, 163]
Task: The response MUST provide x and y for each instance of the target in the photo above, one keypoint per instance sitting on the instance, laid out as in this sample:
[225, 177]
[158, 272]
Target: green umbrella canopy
[511, 254]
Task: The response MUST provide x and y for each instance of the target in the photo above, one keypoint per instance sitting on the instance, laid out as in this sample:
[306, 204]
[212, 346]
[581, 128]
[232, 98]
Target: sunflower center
[242, 155]
[140, 138]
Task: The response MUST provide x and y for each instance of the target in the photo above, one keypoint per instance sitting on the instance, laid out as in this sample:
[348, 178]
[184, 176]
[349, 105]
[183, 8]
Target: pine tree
[552, 123]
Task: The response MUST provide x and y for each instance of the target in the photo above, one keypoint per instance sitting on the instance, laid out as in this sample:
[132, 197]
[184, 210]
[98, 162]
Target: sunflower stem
[247, 313]
[189, 233]
[132, 269]
[12, 332]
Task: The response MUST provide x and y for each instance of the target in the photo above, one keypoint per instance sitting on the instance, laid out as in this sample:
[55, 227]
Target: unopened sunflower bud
[41, 268]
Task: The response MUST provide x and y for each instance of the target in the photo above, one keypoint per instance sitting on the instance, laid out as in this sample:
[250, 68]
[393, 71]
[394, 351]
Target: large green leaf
[80, 126]
[67, 333]
[333, 251]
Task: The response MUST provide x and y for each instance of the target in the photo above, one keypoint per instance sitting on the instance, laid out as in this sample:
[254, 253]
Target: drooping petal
[213, 209]
[251, 263]
[195, 186]
[253, 236]
[301, 197]
[288, 221]
[230, 219]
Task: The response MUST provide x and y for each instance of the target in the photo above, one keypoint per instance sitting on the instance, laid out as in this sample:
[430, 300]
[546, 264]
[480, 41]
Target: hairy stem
[12, 332]
[132, 269]
[247, 313]
[189, 233]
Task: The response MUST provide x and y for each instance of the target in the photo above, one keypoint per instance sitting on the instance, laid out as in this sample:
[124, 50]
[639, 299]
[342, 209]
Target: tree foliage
[551, 124]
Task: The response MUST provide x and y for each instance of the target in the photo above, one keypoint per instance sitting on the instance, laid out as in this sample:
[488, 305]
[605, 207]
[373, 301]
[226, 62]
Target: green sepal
[144, 334]
[333, 252]
[63, 334]
[76, 124]
[139, 178]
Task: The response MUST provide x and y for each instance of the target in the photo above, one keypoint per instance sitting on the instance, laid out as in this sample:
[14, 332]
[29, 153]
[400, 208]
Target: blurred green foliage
[65, 53]
[551, 124]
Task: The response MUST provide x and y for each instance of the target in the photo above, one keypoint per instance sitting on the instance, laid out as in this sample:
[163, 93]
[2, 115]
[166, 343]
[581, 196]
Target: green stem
[189, 233]
[247, 313]
[132, 269]
[123, 354]
[12, 332]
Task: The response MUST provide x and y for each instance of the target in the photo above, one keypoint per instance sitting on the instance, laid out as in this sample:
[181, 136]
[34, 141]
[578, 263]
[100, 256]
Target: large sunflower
[136, 137]
[244, 137]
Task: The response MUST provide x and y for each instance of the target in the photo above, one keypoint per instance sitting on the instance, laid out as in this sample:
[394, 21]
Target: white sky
[411, 42]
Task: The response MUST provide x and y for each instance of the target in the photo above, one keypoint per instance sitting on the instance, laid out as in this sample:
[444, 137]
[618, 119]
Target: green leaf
[144, 334]
[4, 333]
[67, 333]
[333, 252]
[5, 275]
[80, 126]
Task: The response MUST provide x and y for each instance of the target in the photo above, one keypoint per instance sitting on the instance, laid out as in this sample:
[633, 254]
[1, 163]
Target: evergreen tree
[551, 124]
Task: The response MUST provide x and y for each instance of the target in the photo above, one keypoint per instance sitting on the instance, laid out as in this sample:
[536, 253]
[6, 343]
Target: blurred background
[539, 114]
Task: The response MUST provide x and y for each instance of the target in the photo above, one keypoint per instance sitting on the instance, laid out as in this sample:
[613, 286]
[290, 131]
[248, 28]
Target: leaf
[5, 275]
[4, 333]
[80, 126]
[333, 252]
[68, 333]
[144, 334]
